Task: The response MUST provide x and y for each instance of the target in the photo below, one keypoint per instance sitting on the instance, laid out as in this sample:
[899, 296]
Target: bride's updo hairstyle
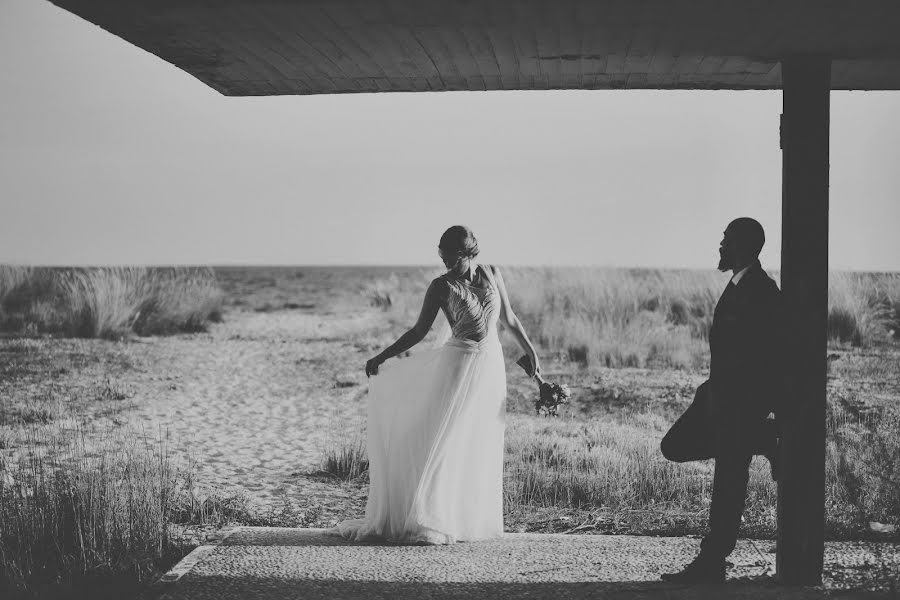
[460, 240]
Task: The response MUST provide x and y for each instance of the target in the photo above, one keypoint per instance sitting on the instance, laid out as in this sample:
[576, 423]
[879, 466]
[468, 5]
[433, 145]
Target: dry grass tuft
[82, 508]
[864, 308]
[108, 302]
[348, 460]
[617, 317]
[614, 468]
[347, 463]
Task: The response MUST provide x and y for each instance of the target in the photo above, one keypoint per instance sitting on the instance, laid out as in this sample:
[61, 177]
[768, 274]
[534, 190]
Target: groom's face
[727, 250]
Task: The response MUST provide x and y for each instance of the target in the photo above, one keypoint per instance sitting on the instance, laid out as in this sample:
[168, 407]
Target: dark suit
[727, 419]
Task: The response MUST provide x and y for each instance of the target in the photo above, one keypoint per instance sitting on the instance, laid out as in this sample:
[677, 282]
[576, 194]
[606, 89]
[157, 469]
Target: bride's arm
[430, 308]
[509, 318]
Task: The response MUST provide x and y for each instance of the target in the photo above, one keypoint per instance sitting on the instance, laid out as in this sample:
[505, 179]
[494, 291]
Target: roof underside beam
[276, 47]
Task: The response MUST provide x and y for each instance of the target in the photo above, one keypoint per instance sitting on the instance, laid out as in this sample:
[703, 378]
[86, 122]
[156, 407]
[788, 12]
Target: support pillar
[804, 280]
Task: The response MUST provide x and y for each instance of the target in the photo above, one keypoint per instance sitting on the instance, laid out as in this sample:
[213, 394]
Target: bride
[436, 419]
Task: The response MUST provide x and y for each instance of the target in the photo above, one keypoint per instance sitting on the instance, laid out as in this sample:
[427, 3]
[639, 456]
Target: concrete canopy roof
[288, 47]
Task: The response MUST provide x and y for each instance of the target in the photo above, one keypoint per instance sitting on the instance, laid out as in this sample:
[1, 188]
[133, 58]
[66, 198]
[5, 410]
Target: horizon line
[261, 265]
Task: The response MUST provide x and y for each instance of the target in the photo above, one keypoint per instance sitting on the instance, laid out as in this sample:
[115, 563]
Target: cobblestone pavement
[279, 563]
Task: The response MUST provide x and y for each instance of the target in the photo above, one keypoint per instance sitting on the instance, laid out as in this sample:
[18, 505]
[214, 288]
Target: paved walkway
[280, 563]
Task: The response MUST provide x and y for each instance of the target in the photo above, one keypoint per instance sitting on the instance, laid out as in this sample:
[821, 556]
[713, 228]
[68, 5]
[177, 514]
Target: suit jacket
[746, 351]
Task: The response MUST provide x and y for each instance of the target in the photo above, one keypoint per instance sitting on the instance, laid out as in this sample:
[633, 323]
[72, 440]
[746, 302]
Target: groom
[728, 420]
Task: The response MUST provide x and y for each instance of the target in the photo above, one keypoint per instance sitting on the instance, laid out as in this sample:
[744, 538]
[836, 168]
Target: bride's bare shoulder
[440, 286]
[494, 270]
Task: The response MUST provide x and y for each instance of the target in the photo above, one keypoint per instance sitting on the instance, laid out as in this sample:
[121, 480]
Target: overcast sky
[109, 155]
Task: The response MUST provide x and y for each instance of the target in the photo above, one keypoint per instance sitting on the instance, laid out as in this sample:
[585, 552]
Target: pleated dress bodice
[472, 311]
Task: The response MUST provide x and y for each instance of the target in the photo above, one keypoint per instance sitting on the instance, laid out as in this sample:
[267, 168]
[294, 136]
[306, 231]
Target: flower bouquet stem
[550, 396]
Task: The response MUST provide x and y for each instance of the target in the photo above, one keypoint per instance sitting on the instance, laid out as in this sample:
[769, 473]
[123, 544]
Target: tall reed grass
[863, 308]
[614, 467]
[646, 317]
[82, 508]
[71, 509]
[616, 317]
[590, 464]
[108, 302]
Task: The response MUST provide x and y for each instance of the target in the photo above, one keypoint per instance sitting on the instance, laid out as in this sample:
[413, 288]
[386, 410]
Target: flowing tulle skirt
[435, 444]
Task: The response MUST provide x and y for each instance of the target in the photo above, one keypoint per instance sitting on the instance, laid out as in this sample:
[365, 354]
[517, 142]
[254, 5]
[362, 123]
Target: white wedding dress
[435, 432]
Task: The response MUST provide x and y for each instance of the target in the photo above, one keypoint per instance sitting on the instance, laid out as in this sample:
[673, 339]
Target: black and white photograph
[449, 299]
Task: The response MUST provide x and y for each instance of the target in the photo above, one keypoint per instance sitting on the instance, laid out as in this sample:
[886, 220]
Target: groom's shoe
[701, 570]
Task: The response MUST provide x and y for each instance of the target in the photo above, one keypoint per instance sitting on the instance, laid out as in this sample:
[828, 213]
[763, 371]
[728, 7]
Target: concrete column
[804, 279]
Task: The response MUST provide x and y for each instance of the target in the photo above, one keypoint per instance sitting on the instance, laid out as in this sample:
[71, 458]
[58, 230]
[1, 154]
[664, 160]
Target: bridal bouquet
[551, 394]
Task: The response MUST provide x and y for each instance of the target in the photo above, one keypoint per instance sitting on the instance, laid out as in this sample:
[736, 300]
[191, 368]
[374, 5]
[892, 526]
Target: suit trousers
[697, 436]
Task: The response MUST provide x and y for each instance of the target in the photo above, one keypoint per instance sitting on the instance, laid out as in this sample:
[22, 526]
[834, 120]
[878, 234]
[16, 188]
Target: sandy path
[252, 403]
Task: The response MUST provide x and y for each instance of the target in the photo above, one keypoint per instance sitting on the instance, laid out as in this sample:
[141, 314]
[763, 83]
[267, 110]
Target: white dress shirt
[737, 276]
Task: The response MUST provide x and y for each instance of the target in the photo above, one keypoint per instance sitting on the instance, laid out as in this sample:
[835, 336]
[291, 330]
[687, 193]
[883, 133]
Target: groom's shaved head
[748, 234]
